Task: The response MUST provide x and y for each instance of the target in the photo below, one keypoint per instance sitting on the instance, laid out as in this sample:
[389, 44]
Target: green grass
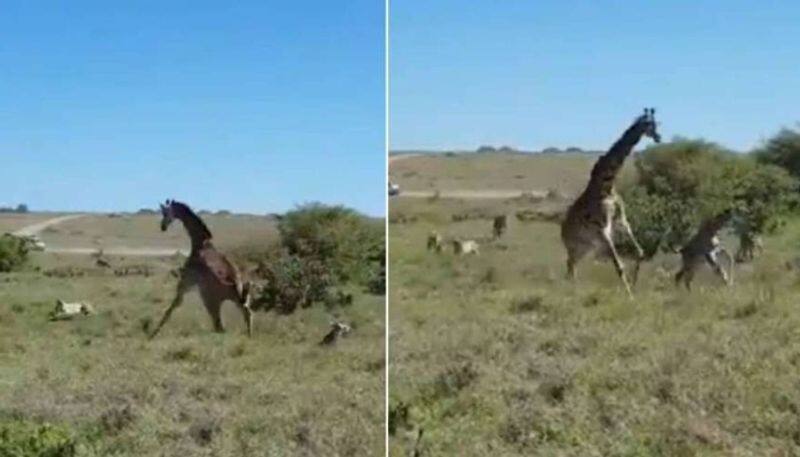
[189, 391]
[497, 354]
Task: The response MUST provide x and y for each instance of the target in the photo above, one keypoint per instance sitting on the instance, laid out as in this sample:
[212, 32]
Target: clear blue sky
[560, 73]
[247, 105]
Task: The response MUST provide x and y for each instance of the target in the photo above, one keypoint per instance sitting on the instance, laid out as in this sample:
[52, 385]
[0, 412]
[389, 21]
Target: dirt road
[33, 229]
[473, 194]
[120, 251]
[398, 157]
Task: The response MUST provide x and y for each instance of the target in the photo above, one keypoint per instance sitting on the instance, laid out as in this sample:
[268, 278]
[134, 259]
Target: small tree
[291, 281]
[341, 238]
[22, 208]
[13, 252]
[782, 150]
[762, 195]
[680, 184]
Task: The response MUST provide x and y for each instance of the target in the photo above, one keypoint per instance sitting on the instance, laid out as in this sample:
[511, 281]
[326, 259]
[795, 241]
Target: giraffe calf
[705, 247]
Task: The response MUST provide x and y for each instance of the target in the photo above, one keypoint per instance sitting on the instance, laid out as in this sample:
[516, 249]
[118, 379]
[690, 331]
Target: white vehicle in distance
[394, 189]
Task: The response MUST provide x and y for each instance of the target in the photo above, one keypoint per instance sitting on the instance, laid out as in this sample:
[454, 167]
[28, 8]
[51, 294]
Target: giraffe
[705, 246]
[216, 278]
[589, 220]
[750, 243]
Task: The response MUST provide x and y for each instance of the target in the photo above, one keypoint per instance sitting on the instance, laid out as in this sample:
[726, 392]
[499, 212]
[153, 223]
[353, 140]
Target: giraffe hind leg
[244, 306]
[213, 306]
[576, 251]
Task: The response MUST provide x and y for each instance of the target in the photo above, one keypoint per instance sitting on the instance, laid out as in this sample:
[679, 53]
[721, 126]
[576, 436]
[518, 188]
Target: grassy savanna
[10, 222]
[563, 172]
[97, 230]
[498, 354]
[100, 383]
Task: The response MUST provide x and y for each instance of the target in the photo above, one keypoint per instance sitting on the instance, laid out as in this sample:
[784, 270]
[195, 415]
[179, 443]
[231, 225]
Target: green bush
[762, 195]
[290, 281]
[782, 150]
[680, 184]
[25, 439]
[345, 241]
[377, 284]
[13, 252]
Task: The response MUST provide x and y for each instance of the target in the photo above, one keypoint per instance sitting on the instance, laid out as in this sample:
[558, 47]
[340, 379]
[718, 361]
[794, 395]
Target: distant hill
[565, 172]
[488, 149]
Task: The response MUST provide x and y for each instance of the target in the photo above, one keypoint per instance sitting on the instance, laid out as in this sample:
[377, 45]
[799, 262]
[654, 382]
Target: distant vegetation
[782, 150]
[489, 149]
[22, 208]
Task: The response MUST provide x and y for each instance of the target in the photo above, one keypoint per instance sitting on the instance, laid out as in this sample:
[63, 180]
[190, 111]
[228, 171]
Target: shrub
[782, 150]
[13, 252]
[344, 241]
[377, 284]
[291, 281]
[682, 183]
[21, 439]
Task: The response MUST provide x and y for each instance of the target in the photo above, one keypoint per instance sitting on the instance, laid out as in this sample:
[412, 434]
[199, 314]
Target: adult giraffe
[589, 221]
[216, 277]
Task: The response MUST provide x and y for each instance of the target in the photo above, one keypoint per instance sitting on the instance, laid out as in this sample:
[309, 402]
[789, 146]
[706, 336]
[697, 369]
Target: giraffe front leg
[620, 267]
[214, 308]
[184, 284]
[623, 220]
[713, 261]
[685, 275]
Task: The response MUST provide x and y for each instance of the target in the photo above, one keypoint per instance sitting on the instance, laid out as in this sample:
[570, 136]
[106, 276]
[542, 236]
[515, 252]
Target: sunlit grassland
[497, 354]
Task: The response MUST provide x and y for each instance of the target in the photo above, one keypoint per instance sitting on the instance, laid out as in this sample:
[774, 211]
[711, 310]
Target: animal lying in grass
[465, 247]
[337, 329]
[66, 311]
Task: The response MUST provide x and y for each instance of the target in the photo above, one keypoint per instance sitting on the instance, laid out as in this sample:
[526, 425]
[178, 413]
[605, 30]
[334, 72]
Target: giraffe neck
[195, 227]
[609, 164]
[714, 225]
[718, 223]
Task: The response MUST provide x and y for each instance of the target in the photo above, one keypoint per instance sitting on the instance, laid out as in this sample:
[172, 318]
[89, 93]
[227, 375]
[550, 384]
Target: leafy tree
[782, 150]
[13, 252]
[762, 195]
[291, 281]
[679, 184]
[341, 238]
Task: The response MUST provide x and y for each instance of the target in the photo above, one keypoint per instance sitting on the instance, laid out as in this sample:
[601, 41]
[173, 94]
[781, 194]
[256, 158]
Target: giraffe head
[167, 214]
[649, 124]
